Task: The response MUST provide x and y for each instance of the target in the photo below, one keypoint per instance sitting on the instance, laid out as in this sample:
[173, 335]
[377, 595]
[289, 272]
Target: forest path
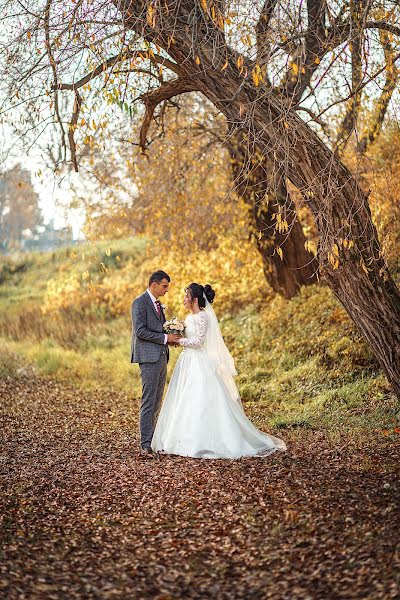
[84, 516]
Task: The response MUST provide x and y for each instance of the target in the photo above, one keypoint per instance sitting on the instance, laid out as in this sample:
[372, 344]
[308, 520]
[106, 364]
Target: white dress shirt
[154, 300]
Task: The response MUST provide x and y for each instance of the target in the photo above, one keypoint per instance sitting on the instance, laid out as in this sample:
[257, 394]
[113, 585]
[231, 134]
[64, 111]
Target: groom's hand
[173, 338]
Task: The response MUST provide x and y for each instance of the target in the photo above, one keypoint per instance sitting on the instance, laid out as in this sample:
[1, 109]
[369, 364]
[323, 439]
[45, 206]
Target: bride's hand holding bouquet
[174, 327]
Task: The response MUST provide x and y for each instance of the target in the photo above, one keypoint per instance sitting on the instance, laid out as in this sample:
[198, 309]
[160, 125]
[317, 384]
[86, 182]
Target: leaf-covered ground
[83, 516]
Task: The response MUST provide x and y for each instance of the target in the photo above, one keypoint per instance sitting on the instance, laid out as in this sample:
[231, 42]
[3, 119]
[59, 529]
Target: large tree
[350, 257]
[203, 43]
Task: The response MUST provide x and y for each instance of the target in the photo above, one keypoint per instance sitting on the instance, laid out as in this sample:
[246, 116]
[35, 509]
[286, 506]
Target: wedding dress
[202, 414]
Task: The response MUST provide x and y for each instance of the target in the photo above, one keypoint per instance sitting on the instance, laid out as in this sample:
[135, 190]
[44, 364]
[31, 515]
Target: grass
[10, 364]
[301, 363]
[97, 368]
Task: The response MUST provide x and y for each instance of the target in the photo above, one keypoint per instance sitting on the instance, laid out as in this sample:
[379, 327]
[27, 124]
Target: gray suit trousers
[154, 375]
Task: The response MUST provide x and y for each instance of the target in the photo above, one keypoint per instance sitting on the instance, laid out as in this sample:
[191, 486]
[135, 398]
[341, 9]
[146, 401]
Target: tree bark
[273, 222]
[350, 257]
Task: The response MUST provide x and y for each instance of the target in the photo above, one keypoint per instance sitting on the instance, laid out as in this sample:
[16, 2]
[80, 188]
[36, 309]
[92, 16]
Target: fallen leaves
[84, 517]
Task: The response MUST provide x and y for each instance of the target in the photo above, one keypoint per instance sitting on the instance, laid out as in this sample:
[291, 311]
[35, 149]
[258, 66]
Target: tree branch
[54, 70]
[262, 29]
[152, 99]
[362, 86]
[315, 43]
[337, 33]
[72, 126]
[319, 43]
[306, 55]
[383, 25]
[392, 75]
[111, 62]
[350, 118]
[314, 117]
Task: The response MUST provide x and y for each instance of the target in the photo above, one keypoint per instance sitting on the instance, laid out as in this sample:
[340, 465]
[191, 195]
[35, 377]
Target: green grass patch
[100, 368]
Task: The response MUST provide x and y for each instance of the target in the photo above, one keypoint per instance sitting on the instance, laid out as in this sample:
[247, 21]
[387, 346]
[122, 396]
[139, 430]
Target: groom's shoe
[147, 453]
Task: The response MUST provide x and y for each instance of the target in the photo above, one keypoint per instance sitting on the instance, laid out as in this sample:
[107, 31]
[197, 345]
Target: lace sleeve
[197, 341]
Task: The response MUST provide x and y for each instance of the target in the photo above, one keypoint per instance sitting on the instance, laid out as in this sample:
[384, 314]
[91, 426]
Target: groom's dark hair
[158, 276]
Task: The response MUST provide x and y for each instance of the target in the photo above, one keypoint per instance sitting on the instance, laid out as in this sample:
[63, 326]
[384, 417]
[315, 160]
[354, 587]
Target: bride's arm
[197, 341]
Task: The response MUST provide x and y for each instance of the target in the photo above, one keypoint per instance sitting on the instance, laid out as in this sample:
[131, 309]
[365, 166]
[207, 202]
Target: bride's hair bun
[198, 291]
[209, 292]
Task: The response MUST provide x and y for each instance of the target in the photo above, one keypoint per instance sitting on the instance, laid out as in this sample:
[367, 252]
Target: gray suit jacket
[147, 331]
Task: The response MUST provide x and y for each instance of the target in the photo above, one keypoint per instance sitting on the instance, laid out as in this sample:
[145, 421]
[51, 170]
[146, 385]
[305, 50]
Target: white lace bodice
[195, 330]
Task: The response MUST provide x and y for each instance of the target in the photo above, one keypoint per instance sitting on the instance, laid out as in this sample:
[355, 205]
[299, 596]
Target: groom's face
[160, 287]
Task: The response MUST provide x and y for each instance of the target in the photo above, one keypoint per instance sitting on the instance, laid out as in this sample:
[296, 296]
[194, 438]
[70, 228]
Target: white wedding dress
[202, 414]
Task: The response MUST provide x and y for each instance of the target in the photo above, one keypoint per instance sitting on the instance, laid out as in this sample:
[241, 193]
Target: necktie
[158, 306]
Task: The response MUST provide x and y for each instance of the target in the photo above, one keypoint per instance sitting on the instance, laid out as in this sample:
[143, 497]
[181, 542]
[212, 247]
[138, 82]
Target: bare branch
[112, 61]
[152, 99]
[337, 33]
[362, 86]
[314, 117]
[320, 40]
[55, 75]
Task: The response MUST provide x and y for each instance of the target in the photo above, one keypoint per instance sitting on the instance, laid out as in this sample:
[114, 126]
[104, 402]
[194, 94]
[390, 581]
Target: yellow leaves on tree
[258, 75]
[151, 15]
[185, 205]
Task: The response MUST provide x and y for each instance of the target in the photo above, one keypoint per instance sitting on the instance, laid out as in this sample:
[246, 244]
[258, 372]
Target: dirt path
[84, 517]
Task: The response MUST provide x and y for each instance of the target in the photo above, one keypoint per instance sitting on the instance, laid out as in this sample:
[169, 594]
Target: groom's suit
[150, 350]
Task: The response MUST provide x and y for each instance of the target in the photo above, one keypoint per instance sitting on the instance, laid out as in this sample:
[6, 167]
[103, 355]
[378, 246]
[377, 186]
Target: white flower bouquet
[175, 325]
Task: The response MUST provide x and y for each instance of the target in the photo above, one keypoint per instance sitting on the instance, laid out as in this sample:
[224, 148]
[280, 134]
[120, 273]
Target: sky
[54, 194]
[51, 200]
[54, 200]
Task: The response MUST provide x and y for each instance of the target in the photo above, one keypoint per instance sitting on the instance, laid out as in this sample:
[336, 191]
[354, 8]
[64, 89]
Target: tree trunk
[295, 267]
[273, 221]
[350, 257]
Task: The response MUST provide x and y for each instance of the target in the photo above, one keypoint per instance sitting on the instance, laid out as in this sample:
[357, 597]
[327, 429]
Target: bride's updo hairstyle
[197, 291]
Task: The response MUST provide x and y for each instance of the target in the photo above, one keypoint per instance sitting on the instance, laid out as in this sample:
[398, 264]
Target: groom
[150, 349]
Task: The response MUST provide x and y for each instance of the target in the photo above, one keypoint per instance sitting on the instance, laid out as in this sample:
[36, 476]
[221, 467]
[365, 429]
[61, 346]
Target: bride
[202, 414]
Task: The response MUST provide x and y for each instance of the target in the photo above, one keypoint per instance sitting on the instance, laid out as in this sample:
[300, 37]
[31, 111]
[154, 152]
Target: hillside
[301, 363]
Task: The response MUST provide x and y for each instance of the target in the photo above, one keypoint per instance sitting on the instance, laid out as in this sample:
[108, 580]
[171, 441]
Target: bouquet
[175, 325]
